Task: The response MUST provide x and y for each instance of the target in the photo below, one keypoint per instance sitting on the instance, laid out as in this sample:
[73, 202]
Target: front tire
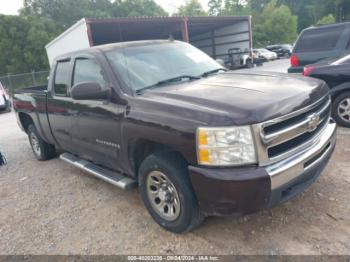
[167, 192]
[42, 150]
[341, 109]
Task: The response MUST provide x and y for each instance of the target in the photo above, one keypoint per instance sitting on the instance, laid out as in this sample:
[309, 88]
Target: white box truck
[213, 35]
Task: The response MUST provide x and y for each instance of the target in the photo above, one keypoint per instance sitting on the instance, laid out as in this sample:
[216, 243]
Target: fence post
[10, 84]
[33, 77]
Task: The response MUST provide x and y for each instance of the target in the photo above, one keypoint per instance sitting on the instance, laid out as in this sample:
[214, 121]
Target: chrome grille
[280, 138]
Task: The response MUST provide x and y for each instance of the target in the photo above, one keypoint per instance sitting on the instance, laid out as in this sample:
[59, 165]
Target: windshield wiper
[167, 81]
[213, 72]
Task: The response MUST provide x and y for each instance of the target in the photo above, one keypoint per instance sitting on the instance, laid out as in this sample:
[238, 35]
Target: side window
[61, 83]
[87, 70]
[322, 39]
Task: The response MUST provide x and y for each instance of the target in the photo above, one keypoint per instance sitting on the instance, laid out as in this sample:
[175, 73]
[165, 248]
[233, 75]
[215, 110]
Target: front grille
[295, 142]
[293, 120]
[288, 135]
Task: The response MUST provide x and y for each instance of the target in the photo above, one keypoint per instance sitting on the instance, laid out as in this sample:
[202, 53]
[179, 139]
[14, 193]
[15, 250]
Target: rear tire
[42, 150]
[167, 192]
[341, 109]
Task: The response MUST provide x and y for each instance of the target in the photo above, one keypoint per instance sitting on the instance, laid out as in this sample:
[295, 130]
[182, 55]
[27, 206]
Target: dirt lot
[52, 208]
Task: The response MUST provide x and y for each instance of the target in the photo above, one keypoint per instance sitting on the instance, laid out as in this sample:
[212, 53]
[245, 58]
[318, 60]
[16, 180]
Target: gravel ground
[53, 208]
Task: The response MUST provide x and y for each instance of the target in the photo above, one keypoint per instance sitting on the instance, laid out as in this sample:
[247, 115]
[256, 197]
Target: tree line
[23, 37]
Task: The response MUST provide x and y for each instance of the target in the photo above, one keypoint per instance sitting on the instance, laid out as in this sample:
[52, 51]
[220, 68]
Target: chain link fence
[19, 81]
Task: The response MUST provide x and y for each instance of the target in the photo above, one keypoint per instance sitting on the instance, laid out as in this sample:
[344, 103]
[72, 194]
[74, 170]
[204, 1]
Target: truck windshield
[139, 67]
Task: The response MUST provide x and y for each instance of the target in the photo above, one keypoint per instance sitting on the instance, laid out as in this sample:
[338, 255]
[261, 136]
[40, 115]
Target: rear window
[321, 39]
[61, 83]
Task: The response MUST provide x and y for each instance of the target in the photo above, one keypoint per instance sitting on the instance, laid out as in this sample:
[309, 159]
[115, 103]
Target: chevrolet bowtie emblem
[313, 122]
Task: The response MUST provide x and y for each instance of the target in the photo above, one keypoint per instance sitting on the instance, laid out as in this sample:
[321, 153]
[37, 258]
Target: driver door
[96, 123]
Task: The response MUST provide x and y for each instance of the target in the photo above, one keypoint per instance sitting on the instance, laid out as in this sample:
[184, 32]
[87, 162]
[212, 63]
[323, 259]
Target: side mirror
[88, 91]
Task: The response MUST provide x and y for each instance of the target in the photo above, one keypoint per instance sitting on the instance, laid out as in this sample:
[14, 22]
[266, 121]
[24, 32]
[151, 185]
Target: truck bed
[32, 89]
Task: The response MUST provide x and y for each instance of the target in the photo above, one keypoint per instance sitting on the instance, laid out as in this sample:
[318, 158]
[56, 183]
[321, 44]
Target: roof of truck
[327, 26]
[118, 45]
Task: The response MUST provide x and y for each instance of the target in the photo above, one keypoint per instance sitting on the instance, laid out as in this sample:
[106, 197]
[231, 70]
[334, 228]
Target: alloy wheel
[344, 110]
[35, 144]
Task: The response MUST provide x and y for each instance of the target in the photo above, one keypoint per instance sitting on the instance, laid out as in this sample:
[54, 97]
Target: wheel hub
[163, 196]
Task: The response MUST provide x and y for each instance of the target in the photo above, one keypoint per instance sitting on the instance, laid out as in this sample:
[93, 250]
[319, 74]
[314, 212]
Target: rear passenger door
[96, 123]
[60, 105]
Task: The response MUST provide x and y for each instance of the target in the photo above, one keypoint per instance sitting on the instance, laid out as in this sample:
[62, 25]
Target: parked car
[5, 103]
[196, 139]
[266, 54]
[284, 50]
[337, 75]
[319, 43]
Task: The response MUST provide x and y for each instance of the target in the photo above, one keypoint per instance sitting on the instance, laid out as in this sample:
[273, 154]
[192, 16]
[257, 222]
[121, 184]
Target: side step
[111, 177]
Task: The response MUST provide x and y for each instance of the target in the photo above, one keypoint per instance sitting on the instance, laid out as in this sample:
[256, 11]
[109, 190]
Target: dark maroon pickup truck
[196, 139]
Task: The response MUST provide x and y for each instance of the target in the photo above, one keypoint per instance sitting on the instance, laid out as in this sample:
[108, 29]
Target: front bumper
[238, 191]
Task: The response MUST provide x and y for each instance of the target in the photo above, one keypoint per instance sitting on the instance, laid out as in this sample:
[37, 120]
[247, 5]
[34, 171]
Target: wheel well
[25, 120]
[339, 92]
[141, 149]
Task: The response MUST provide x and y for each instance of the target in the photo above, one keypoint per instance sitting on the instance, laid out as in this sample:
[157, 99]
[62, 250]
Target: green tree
[23, 41]
[67, 12]
[229, 7]
[329, 19]
[277, 25]
[191, 8]
[128, 8]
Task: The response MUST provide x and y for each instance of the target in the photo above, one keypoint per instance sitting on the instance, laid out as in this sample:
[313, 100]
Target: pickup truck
[196, 139]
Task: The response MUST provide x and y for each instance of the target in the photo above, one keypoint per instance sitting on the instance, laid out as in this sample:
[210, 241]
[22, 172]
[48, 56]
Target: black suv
[281, 50]
[318, 43]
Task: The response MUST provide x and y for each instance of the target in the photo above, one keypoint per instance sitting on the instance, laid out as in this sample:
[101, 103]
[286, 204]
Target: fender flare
[340, 88]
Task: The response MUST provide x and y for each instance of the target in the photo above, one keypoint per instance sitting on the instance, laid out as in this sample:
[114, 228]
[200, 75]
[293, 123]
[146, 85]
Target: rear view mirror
[88, 91]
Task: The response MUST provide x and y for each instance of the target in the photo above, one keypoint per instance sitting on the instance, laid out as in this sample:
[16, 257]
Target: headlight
[226, 146]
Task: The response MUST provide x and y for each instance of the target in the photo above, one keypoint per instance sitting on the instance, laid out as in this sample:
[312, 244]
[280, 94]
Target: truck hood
[246, 98]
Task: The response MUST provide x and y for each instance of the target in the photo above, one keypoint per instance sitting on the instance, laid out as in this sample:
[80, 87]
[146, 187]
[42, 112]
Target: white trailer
[213, 35]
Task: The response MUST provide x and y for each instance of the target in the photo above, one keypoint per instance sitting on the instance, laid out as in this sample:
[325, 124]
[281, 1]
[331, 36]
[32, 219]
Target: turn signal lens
[202, 138]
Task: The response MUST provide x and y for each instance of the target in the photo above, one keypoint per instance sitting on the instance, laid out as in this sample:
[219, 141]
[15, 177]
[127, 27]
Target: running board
[111, 177]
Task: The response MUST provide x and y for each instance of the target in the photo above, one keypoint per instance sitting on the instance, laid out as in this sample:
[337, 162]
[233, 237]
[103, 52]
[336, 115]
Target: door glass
[61, 84]
[87, 70]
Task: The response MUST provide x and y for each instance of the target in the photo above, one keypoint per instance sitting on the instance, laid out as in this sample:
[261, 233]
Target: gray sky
[10, 7]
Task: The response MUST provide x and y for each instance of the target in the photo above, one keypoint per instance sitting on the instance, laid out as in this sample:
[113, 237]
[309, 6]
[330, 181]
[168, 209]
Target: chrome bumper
[289, 169]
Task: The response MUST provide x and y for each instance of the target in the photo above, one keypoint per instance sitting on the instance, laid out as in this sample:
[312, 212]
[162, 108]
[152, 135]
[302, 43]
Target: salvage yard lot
[53, 208]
